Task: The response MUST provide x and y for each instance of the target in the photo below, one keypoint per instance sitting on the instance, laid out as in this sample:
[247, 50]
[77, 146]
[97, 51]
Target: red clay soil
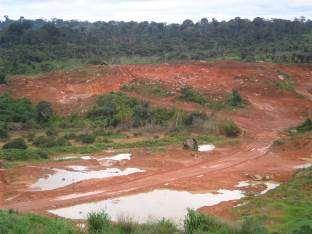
[269, 113]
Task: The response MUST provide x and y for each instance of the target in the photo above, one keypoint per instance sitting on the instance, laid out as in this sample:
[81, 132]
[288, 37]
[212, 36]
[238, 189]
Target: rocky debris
[257, 177]
[190, 144]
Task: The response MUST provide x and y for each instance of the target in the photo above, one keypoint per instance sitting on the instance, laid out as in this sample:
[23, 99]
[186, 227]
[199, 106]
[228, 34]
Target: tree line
[37, 45]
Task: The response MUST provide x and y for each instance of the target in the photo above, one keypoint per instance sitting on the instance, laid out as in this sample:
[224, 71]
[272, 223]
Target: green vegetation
[12, 223]
[286, 209]
[30, 46]
[230, 129]
[44, 111]
[23, 155]
[306, 126]
[147, 88]
[86, 138]
[49, 141]
[286, 82]
[191, 95]
[235, 100]
[49, 134]
[16, 110]
[18, 143]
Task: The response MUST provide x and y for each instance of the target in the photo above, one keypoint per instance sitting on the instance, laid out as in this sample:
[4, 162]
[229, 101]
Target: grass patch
[217, 102]
[286, 209]
[12, 222]
[286, 83]
[147, 88]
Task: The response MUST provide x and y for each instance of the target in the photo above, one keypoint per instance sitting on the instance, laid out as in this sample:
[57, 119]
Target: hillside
[250, 113]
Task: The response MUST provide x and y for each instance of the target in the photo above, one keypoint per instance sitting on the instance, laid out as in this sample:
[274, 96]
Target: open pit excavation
[129, 178]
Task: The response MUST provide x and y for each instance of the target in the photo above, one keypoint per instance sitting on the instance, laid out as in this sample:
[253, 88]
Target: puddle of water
[206, 148]
[269, 186]
[153, 205]
[118, 157]
[243, 184]
[67, 157]
[77, 195]
[86, 157]
[62, 178]
[78, 168]
[304, 166]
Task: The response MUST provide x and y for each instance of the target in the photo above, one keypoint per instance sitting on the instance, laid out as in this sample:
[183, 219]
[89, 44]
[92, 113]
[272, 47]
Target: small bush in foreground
[18, 143]
[230, 129]
[99, 223]
[196, 222]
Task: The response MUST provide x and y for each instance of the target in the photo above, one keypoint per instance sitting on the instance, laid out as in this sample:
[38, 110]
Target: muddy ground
[269, 113]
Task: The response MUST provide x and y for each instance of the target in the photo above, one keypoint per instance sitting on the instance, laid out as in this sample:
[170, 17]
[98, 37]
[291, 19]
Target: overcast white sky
[169, 11]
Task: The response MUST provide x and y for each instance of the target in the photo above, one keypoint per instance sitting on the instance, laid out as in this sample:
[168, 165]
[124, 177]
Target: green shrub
[86, 138]
[2, 78]
[141, 114]
[18, 143]
[49, 141]
[162, 115]
[191, 95]
[99, 223]
[113, 109]
[15, 110]
[306, 126]
[23, 155]
[44, 111]
[235, 100]
[195, 118]
[196, 222]
[230, 129]
[3, 131]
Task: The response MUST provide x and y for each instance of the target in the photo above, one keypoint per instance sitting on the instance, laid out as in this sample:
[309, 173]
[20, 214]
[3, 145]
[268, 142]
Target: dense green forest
[28, 46]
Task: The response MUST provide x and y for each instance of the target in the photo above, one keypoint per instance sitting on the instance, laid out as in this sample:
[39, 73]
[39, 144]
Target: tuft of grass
[99, 223]
[147, 88]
